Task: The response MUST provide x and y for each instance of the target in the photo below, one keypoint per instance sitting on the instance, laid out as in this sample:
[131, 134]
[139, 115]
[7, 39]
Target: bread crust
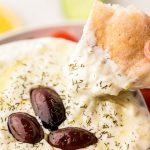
[124, 32]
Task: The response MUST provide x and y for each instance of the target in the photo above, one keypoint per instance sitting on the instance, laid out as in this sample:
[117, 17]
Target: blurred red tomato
[61, 34]
[146, 94]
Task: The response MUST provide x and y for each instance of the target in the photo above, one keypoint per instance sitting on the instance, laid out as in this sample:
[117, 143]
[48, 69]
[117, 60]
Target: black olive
[48, 105]
[25, 128]
[71, 138]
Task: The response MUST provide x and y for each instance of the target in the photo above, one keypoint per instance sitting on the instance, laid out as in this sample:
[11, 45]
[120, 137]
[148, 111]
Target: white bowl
[28, 33]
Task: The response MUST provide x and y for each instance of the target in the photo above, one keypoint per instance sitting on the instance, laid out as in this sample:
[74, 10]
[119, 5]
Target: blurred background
[26, 13]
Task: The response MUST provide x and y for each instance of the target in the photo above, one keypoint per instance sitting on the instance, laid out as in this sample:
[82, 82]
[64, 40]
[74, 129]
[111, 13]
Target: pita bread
[123, 32]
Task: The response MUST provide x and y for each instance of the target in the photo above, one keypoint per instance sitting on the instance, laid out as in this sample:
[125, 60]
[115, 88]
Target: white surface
[141, 4]
[47, 12]
[36, 12]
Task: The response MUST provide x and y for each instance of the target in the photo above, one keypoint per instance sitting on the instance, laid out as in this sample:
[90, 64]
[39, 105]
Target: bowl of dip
[35, 58]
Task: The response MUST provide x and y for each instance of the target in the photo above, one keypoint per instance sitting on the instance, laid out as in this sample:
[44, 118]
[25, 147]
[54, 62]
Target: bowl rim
[19, 32]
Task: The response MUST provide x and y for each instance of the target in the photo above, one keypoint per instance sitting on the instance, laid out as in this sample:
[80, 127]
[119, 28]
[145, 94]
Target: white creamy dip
[91, 69]
[119, 122]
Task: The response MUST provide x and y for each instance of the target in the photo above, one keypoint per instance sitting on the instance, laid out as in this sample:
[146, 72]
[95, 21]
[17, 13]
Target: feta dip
[118, 122]
[92, 68]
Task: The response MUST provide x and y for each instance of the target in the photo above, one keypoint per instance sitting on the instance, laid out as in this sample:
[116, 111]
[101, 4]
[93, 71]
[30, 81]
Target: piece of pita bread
[123, 32]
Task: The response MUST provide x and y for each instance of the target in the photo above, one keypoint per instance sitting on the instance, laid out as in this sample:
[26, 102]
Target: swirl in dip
[118, 122]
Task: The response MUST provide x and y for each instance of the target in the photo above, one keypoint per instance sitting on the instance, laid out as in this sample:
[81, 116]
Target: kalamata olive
[71, 138]
[25, 128]
[48, 105]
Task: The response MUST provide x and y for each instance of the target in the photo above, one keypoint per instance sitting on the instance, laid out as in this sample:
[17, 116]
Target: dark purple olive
[25, 128]
[48, 105]
[71, 138]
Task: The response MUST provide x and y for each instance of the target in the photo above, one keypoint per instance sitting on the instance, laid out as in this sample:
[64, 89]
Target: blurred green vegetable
[76, 9]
